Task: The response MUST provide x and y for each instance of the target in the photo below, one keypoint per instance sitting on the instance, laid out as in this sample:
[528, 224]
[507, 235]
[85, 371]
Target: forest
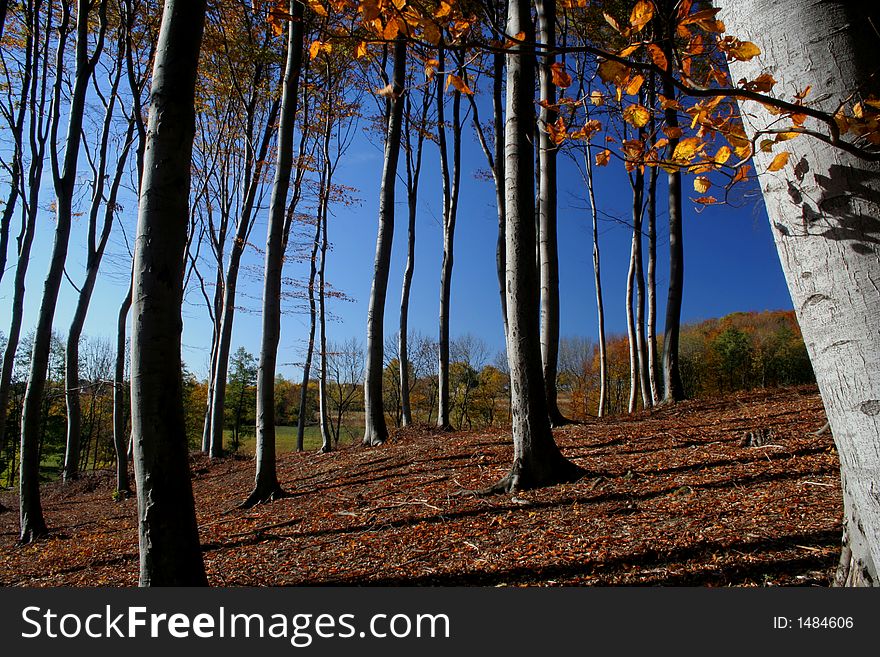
[147, 148]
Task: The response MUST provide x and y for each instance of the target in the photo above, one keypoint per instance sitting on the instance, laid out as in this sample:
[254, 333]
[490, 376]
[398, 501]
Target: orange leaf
[443, 10]
[370, 10]
[687, 149]
[706, 200]
[458, 83]
[722, 155]
[597, 98]
[361, 50]
[557, 131]
[603, 158]
[560, 76]
[633, 86]
[743, 51]
[386, 91]
[611, 71]
[657, 56]
[778, 162]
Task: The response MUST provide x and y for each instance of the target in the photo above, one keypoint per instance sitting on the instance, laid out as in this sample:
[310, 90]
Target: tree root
[518, 479]
[264, 495]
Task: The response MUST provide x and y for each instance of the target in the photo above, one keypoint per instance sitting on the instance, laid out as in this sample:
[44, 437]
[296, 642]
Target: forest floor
[671, 497]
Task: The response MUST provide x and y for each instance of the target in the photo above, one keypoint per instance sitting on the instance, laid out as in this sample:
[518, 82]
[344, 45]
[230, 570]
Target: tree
[64, 173]
[823, 212]
[168, 535]
[240, 394]
[537, 460]
[266, 486]
[375, 429]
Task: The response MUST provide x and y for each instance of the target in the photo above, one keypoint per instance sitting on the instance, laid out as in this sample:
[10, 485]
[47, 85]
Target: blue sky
[730, 262]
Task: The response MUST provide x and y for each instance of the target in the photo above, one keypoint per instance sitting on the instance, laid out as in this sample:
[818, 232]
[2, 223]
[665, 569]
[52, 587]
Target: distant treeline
[737, 352]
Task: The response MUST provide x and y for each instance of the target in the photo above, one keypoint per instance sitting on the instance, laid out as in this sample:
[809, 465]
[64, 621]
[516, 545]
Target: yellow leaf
[458, 83]
[702, 184]
[597, 98]
[560, 76]
[431, 32]
[603, 158]
[431, 68]
[778, 162]
[641, 14]
[315, 49]
[722, 155]
[443, 10]
[637, 115]
[673, 132]
[686, 149]
[743, 51]
[361, 50]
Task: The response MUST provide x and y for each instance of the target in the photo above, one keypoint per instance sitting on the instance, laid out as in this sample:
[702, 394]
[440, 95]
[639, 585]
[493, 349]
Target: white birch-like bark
[824, 210]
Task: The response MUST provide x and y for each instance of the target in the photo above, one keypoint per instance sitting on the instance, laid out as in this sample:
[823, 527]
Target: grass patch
[285, 439]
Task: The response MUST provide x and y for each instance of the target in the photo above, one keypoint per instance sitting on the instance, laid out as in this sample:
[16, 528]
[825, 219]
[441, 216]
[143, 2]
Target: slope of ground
[672, 497]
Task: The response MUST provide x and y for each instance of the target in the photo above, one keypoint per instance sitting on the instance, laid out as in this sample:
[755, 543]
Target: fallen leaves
[672, 498]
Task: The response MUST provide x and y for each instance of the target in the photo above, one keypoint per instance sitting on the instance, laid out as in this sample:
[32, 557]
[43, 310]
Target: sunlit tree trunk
[824, 207]
[375, 429]
[537, 460]
[64, 175]
[266, 486]
[450, 212]
[169, 541]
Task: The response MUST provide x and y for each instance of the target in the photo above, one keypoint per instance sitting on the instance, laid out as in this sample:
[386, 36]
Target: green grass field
[285, 439]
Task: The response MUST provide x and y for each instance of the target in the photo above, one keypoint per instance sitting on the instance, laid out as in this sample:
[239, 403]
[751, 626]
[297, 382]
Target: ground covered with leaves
[675, 496]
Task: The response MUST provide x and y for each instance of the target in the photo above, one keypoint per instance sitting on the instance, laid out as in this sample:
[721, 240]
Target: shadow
[702, 551]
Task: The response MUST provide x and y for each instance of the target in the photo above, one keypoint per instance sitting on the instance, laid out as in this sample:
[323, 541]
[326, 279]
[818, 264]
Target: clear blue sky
[730, 262]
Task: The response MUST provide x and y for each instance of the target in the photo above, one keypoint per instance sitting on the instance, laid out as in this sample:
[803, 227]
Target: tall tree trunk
[639, 280]
[631, 329]
[266, 486]
[672, 388]
[168, 535]
[597, 278]
[824, 208]
[96, 245]
[32, 522]
[537, 460]
[37, 136]
[651, 210]
[375, 429]
[230, 284]
[323, 211]
[413, 174]
[547, 199]
[450, 212]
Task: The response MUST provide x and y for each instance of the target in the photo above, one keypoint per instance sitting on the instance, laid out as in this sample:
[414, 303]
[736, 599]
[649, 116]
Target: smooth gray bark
[170, 554]
[547, 199]
[450, 188]
[32, 523]
[672, 387]
[824, 209]
[651, 211]
[38, 133]
[376, 429]
[537, 460]
[266, 486]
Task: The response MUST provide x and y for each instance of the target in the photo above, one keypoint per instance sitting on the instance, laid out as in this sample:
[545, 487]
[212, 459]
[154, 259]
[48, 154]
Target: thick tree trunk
[824, 207]
[547, 199]
[375, 429]
[169, 540]
[266, 486]
[537, 460]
